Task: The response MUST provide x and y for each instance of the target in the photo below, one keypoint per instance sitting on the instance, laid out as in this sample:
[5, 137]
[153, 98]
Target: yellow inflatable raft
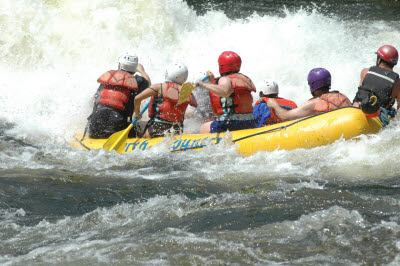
[309, 132]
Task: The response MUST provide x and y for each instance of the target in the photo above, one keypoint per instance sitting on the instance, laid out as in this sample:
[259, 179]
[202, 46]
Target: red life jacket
[239, 102]
[330, 101]
[118, 86]
[167, 108]
[284, 102]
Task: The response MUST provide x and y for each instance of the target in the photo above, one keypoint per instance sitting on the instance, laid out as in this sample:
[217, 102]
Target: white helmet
[128, 62]
[269, 87]
[177, 73]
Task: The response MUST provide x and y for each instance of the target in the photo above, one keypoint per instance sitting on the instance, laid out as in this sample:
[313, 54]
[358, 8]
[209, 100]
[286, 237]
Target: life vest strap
[238, 117]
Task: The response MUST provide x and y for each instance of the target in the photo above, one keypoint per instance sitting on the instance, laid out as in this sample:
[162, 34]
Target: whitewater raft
[313, 131]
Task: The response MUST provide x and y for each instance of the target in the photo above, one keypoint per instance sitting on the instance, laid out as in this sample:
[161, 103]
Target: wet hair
[323, 89]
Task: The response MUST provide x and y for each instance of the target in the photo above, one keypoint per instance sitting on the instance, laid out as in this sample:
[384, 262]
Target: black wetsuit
[377, 82]
[104, 120]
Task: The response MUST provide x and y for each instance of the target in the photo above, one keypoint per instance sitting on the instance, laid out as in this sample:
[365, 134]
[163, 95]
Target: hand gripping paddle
[187, 89]
[117, 140]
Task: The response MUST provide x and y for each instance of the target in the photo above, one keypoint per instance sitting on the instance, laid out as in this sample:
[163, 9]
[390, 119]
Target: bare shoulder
[309, 103]
[362, 75]
[306, 109]
[396, 88]
[364, 72]
[226, 84]
[224, 80]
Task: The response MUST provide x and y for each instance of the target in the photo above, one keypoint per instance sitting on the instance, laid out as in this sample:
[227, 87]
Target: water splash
[52, 52]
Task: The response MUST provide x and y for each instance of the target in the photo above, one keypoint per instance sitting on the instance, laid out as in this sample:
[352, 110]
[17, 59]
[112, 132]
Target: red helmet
[388, 54]
[229, 61]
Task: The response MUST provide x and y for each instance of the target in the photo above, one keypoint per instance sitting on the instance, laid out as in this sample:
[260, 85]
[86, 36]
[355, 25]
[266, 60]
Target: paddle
[187, 89]
[117, 139]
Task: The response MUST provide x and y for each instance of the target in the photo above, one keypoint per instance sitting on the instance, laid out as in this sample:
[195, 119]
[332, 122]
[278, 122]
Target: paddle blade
[185, 92]
[117, 140]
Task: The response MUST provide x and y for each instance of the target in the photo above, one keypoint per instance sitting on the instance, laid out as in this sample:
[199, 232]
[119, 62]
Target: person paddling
[379, 86]
[319, 80]
[230, 97]
[264, 116]
[114, 99]
[164, 111]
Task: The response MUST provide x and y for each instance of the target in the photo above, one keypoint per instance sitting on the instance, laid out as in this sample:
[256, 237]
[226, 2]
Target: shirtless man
[323, 100]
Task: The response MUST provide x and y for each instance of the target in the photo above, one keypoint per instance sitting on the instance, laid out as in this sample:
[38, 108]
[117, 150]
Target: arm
[396, 93]
[140, 69]
[362, 75]
[96, 96]
[304, 110]
[150, 91]
[223, 88]
[193, 99]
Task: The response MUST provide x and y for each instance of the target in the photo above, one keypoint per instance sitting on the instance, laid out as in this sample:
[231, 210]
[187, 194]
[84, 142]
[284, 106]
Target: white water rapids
[103, 207]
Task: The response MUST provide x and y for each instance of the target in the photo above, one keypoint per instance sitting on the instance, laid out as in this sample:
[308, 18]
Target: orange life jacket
[284, 102]
[330, 101]
[118, 86]
[167, 108]
[239, 102]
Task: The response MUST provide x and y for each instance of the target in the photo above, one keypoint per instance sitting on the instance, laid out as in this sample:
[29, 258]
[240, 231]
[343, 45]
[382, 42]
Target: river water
[331, 205]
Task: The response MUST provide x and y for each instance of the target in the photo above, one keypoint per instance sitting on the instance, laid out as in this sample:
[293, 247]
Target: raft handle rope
[267, 131]
[283, 127]
[249, 136]
[83, 145]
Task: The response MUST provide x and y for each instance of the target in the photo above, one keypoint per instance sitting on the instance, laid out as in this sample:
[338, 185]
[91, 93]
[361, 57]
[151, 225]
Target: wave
[52, 53]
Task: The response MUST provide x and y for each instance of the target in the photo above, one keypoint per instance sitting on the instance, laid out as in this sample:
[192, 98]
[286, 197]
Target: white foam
[52, 55]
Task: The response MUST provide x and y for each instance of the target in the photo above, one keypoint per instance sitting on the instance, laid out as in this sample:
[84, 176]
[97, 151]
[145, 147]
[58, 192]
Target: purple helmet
[319, 78]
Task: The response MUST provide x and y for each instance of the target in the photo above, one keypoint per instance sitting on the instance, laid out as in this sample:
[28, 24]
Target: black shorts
[158, 129]
[231, 125]
[105, 121]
